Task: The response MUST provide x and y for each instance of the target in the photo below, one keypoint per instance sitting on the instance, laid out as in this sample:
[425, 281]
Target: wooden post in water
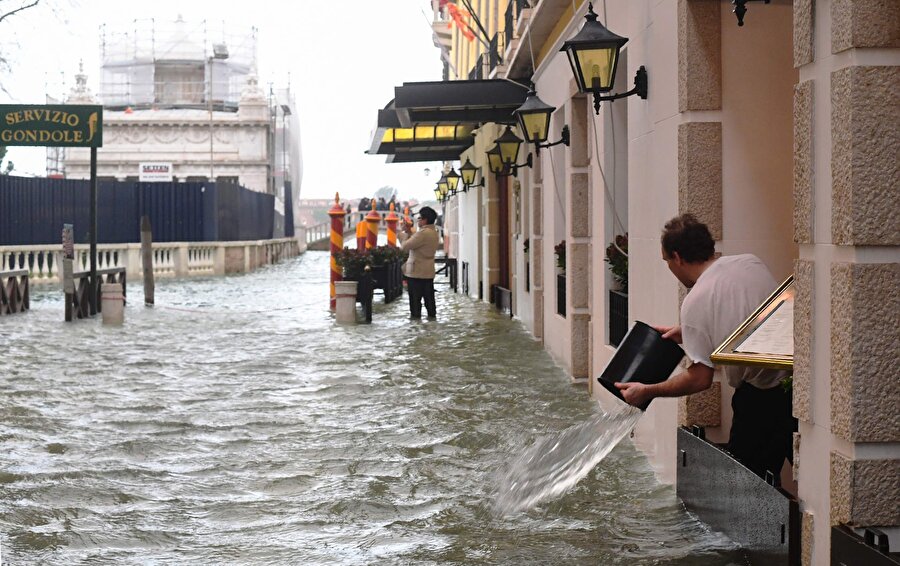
[68, 277]
[147, 260]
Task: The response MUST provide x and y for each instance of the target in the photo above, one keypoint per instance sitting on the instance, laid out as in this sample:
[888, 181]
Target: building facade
[781, 134]
[192, 108]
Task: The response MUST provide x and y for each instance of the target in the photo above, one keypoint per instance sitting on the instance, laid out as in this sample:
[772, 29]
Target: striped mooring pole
[372, 219]
[337, 214]
[361, 229]
[391, 219]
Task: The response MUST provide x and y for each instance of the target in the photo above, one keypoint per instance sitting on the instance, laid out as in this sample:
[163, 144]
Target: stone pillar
[845, 176]
[537, 250]
[181, 260]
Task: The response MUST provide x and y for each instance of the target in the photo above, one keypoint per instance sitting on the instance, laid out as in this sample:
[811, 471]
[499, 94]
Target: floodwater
[235, 423]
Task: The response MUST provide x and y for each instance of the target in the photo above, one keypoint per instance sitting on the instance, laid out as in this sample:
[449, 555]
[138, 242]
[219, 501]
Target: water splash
[556, 462]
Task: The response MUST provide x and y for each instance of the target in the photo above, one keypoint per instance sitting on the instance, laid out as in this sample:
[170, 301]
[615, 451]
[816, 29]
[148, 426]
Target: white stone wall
[181, 137]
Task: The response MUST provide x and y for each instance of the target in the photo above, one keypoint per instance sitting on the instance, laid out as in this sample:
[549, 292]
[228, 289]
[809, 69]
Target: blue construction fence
[33, 211]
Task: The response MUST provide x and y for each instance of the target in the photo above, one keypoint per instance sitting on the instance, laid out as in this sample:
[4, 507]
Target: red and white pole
[373, 219]
[337, 214]
[391, 220]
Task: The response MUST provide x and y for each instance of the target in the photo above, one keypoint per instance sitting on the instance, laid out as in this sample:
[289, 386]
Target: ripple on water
[213, 430]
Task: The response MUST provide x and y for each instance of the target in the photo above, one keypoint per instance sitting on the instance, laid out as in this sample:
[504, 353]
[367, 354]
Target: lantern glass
[535, 125]
[495, 161]
[534, 118]
[443, 186]
[509, 146]
[437, 194]
[453, 181]
[594, 67]
[468, 173]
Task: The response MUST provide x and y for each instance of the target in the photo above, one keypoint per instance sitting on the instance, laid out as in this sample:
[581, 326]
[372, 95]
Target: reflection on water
[236, 424]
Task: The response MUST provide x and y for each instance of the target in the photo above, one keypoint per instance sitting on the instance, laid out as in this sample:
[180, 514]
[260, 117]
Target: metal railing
[510, 23]
[495, 58]
[477, 72]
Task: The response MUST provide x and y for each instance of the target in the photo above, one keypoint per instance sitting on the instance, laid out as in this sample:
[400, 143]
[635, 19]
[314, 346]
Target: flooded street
[236, 424]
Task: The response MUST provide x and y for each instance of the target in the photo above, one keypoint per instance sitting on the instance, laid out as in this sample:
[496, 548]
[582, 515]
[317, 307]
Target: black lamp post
[594, 54]
[534, 119]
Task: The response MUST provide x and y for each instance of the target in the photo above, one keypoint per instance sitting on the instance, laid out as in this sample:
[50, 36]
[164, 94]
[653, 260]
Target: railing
[43, 263]
[477, 72]
[322, 230]
[14, 289]
[449, 269]
[510, 22]
[495, 48]
[316, 232]
[78, 303]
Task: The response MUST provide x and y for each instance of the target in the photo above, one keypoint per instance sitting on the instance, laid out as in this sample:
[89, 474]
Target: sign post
[60, 125]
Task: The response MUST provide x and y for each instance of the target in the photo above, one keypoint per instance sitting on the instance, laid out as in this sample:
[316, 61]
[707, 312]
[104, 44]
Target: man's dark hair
[428, 214]
[689, 237]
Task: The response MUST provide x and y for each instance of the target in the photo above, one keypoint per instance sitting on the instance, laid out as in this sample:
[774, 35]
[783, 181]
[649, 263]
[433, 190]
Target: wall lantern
[495, 162]
[593, 54]
[469, 172]
[437, 194]
[452, 181]
[502, 157]
[444, 187]
[534, 119]
[740, 9]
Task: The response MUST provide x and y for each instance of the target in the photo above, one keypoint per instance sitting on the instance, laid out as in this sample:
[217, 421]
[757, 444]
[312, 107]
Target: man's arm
[697, 378]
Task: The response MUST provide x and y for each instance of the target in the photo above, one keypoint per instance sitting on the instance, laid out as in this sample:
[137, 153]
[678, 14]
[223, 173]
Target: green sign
[52, 125]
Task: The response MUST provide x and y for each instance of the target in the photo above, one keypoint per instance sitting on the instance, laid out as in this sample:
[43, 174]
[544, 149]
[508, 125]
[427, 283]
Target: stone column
[537, 250]
[846, 174]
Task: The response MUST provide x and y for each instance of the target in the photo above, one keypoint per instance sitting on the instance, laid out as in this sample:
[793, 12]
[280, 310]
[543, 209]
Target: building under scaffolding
[185, 97]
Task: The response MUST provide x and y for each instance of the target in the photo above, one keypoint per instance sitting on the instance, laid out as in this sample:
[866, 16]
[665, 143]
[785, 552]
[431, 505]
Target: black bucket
[643, 356]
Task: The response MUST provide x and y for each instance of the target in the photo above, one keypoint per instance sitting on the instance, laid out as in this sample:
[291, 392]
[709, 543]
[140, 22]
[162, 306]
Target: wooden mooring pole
[68, 275]
[147, 260]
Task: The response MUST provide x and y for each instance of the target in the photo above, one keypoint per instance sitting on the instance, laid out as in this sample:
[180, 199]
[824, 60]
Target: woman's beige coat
[421, 247]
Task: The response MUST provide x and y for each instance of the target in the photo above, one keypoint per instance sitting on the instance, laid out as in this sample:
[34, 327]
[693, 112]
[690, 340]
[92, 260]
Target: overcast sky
[344, 59]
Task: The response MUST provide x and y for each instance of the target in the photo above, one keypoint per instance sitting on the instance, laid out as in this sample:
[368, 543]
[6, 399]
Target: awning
[433, 121]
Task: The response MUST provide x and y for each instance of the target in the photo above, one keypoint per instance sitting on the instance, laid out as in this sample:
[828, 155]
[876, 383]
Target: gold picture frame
[766, 338]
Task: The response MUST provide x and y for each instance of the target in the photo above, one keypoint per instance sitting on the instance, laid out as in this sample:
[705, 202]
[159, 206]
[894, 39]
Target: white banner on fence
[155, 173]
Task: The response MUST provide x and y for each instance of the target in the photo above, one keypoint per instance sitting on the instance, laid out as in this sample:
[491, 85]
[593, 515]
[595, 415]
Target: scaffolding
[175, 65]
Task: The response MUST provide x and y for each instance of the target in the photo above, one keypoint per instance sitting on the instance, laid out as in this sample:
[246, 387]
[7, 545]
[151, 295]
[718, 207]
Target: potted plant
[560, 251]
[617, 258]
[352, 262]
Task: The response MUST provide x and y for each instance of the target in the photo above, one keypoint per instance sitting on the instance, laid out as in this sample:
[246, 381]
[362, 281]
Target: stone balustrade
[170, 259]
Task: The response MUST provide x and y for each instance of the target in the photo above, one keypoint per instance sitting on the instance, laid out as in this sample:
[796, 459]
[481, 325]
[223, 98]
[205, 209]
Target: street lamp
[444, 187]
[452, 181]
[594, 54]
[468, 172]
[534, 119]
[220, 52]
[502, 157]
